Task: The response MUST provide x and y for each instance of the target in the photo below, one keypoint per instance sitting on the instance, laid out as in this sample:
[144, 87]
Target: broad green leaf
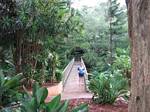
[63, 107]
[36, 86]
[11, 83]
[41, 95]
[54, 103]
[30, 106]
[81, 108]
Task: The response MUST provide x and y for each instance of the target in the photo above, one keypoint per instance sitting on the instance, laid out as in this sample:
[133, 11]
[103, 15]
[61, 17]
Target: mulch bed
[118, 107]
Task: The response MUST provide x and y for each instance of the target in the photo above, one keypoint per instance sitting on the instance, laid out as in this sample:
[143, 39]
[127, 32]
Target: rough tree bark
[18, 52]
[139, 33]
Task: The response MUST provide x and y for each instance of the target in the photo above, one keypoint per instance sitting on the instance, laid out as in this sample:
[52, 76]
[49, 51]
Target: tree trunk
[139, 33]
[110, 34]
[111, 44]
[17, 56]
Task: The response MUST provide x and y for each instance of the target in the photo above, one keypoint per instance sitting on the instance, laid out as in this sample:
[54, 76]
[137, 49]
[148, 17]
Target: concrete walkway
[75, 86]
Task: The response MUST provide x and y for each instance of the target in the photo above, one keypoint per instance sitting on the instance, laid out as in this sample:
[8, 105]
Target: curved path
[75, 87]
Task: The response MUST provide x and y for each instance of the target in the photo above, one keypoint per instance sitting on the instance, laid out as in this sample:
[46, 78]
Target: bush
[122, 59]
[36, 102]
[107, 87]
[58, 75]
[90, 59]
[9, 90]
[122, 62]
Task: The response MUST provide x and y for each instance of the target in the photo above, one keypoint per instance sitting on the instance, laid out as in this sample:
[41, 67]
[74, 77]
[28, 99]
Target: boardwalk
[73, 87]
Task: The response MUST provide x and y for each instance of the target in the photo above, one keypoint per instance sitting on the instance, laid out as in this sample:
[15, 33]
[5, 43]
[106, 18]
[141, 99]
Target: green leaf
[51, 106]
[81, 108]
[63, 107]
[2, 79]
[11, 83]
[36, 86]
[30, 106]
[41, 95]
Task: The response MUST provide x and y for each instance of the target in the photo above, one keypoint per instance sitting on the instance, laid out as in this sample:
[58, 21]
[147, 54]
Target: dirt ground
[118, 107]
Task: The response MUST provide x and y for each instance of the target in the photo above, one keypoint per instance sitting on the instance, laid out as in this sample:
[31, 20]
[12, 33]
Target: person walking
[81, 72]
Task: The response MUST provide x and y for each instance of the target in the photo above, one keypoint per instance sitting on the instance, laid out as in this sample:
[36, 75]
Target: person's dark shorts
[81, 74]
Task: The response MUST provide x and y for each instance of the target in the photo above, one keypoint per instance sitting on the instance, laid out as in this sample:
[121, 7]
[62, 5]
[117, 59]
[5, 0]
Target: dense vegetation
[39, 37]
[37, 34]
[32, 38]
[106, 46]
[13, 100]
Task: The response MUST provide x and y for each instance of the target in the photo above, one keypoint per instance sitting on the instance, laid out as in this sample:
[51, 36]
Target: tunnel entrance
[77, 52]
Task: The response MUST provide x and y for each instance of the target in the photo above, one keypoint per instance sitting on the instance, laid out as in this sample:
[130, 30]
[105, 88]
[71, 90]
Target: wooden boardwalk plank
[75, 87]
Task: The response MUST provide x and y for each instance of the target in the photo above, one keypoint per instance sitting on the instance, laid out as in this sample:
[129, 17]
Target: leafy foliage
[7, 19]
[96, 34]
[122, 60]
[59, 75]
[53, 28]
[116, 18]
[36, 102]
[9, 90]
[38, 22]
[107, 87]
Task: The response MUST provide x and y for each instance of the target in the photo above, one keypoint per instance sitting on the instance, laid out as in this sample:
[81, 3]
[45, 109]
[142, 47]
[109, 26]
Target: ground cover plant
[108, 87]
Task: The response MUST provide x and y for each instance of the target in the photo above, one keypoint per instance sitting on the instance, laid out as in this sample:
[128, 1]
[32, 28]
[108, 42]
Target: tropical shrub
[8, 68]
[107, 87]
[90, 59]
[58, 75]
[122, 60]
[9, 90]
[36, 102]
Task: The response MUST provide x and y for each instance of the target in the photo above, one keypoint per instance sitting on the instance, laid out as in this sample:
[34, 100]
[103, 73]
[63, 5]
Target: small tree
[116, 19]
